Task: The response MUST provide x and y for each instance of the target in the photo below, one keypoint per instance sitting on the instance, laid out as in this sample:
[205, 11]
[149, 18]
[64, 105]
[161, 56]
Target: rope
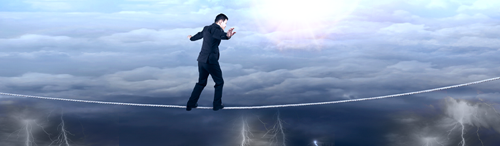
[255, 107]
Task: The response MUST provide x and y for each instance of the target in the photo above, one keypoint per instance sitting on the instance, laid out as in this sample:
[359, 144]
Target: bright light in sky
[300, 19]
[309, 10]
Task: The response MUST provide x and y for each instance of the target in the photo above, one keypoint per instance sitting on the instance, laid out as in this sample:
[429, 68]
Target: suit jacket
[212, 35]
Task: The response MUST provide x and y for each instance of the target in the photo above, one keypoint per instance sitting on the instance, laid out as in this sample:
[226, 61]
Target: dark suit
[208, 63]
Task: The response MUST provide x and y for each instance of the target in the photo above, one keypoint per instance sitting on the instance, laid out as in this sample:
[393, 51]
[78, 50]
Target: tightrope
[254, 107]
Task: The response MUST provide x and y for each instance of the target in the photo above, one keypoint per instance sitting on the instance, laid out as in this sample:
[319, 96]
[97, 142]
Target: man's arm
[197, 36]
[219, 34]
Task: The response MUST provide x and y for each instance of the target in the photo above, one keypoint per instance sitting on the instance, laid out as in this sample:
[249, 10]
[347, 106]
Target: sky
[284, 52]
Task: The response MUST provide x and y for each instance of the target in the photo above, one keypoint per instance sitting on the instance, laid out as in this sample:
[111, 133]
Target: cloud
[470, 35]
[445, 128]
[144, 80]
[34, 42]
[481, 115]
[20, 117]
[137, 51]
[437, 4]
[164, 38]
[413, 66]
[480, 5]
[50, 5]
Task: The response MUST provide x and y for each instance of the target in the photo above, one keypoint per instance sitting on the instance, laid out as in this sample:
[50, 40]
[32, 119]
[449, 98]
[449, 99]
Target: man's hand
[230, 33]
[189, 36]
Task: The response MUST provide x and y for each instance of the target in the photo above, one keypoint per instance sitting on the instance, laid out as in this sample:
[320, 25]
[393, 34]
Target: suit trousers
[204, 70]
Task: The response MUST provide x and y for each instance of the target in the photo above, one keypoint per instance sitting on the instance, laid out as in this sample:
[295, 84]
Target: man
[208, 61]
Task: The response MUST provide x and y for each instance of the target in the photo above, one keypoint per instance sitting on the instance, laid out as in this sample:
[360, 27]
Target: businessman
[208, 60]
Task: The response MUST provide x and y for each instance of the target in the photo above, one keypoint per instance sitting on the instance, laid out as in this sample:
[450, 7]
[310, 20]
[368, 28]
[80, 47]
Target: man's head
[221, 20]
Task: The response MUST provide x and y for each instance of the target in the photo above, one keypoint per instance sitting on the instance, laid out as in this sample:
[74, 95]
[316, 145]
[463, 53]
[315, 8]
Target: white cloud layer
[141, 49]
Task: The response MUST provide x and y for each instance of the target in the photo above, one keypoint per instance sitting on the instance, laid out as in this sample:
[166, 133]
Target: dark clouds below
[337, 124]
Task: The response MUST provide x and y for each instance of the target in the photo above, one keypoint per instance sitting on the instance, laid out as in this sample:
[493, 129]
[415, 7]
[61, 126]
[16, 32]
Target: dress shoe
[218, 107]
[188, 108]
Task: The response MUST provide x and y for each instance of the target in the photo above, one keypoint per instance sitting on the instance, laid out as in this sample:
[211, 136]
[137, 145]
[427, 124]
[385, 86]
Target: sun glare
[295, 22]
[293, 10]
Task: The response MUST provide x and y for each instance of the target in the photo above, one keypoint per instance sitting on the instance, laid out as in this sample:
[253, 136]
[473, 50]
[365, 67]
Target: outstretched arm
[197, 36]
[219, 34]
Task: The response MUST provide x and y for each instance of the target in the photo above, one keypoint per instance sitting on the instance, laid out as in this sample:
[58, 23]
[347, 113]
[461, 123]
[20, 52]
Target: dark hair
[221, 17]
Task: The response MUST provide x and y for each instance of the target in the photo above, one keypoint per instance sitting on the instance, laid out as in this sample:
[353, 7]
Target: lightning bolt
[438, 142]
[62, 138]
[454, 126]
[83, 132]
[485, 103]
[280, 126]
[479, 137]
[473, 113]
[429, 141]
[29, 135]
[463, 131]
[315, 143]
[271, 132]
[244, 133]
[28, 130]
[490, 106]
[275, 131]
[477, 132]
